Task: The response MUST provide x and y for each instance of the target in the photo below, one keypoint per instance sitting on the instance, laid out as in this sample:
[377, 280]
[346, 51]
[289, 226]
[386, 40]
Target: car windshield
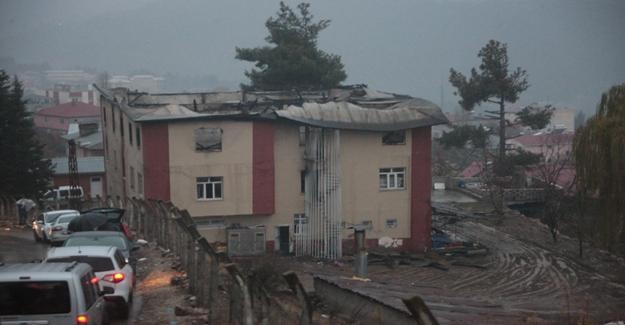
[34, 298]
[66, 218]
[99, 264]
[116, 241]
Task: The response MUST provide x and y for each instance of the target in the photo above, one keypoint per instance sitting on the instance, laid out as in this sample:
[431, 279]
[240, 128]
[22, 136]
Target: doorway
[283, 240]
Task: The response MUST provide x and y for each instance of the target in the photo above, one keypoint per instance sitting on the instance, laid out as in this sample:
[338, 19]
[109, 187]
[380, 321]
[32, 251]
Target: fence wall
[249, 301]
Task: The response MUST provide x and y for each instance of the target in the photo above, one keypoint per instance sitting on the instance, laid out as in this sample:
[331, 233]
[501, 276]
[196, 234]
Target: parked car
[117, 277]
[102, 238]
[101, 219]
[53, 294]
[42, 222]
[57, 232]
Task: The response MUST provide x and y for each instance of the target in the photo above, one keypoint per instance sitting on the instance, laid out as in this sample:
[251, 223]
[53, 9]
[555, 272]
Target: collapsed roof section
[350, 107]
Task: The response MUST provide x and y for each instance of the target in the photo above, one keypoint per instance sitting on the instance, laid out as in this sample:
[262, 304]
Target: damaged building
[300, 167]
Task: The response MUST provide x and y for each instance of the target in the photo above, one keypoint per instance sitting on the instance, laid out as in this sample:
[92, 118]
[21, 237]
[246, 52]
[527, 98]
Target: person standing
[24, 206]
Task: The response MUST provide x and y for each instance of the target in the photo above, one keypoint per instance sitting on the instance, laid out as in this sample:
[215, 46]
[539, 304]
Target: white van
[64, 193]
[50, 293]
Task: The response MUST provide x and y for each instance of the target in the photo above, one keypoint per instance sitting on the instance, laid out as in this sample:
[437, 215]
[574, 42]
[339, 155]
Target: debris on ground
[142, 242]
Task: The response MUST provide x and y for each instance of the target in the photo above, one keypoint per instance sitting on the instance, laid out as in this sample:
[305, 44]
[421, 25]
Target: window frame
[299, 219]
[212, 181]
[392, 177]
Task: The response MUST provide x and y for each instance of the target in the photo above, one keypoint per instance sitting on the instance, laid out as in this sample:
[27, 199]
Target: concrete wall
[233, 163]
[362, 156]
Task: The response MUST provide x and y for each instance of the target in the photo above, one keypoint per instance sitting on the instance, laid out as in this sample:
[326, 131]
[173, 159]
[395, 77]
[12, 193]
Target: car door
[94, 303]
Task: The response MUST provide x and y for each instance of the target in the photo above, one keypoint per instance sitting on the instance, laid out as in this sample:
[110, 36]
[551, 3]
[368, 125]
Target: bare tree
[555, 174]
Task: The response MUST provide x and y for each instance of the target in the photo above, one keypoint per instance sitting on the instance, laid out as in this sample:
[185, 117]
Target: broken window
[208, 139]
[392, 178]
[394, 137]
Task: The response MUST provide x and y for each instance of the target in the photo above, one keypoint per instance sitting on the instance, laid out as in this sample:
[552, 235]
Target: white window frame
[207, 182]
[299, 219]
[392, 178]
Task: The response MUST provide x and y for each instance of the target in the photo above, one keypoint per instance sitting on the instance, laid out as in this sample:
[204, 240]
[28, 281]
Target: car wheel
[37, 239]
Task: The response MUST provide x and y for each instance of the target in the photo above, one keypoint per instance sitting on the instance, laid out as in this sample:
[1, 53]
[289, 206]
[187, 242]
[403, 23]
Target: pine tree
[495, 83]
[23, 170]
[294, 61]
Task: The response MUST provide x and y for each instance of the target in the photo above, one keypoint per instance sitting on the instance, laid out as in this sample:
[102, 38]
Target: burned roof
[349, 107]
[406, 114]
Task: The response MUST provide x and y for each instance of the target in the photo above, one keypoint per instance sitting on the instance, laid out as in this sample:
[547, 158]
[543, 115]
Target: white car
[42, 223]
[57, 232]
[117, 278]
[53, 294]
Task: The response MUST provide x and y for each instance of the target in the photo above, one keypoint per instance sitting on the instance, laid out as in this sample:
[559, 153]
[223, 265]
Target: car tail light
[114, 278]
[94, 280]
[82, 319]
[57, 228]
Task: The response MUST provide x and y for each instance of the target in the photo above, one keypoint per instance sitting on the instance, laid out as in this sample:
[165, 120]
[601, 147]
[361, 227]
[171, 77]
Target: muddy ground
[524, 278]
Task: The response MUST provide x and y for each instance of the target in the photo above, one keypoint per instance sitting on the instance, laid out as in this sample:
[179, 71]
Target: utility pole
[74, 194]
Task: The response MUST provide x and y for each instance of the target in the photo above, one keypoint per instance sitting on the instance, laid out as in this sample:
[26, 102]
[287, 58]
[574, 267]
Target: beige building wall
[361, 194]
[362, 156]
[233, 163]
[112, 149]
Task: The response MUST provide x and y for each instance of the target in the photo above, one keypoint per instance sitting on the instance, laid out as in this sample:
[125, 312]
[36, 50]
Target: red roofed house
[58, 118]
[550, 145]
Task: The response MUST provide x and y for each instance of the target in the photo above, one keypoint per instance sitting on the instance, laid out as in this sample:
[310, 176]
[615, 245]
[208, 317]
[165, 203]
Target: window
[208, 139]
[115, 157]
[302, 181]
[394, 137]
[88, 290]
[209, 188]
[302, 136]
[120, 259]
[132, 178]
[138, 131]
[121, 124]
[113, 118]
[392, 178]
[99, 264]
[299, 220]
[104, 114]
[129, 132]
[391, 223]
[139, 183]
[34, 298]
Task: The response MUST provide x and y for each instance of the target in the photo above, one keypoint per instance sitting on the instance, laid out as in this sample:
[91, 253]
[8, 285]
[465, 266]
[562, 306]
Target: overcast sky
[573, 50]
